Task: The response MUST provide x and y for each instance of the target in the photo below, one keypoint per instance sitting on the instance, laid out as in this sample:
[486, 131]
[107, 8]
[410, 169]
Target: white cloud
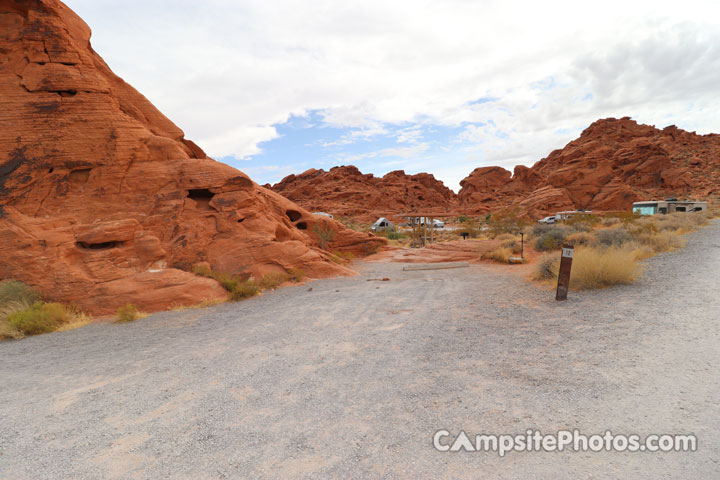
[227, 71]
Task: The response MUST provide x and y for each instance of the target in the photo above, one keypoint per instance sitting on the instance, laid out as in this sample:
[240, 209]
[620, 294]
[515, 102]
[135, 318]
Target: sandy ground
[352, 378]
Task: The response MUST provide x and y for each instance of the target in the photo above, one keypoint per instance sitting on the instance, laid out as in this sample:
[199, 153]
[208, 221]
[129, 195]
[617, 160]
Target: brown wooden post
[564, 274]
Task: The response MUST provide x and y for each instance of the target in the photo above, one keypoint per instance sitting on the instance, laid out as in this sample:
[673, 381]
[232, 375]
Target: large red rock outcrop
[614, 163]
[102, 199]
[345, 191]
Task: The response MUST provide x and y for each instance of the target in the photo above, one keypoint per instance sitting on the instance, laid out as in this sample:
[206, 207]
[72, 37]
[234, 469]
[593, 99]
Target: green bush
[324, 235]
[14, 291]
[38, 318]
[611, 237]
[551, 239]
[244, 289]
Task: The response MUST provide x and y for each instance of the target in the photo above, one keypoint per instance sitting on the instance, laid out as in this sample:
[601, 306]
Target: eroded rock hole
[65, 93]
[80, 175]
[241, 220]
[99, 246]
[293, 215]
[301, 225]
[202, 197]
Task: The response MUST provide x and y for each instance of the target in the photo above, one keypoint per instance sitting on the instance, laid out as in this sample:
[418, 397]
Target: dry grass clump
[239, 287]
[547, 267]
[129, 313]
[593, 268]
[347, 256]
[598, 268]
[297, 274]
[271, 281]
[660, 242]
[500, 254]
[22, 312]
[505, 237]
[244, 289]
[512, 244]
[580, 239]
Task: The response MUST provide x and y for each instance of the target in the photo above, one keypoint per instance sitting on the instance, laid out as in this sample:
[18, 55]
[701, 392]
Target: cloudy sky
[275, 87]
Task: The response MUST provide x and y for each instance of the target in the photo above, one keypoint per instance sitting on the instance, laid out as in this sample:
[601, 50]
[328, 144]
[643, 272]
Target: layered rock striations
[613, 163]
[104, 202]
[345, 191]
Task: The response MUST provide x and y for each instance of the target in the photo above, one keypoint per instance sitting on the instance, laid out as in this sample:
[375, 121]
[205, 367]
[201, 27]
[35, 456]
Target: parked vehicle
[670, 205]
[548, 220]
[422, 221]
[382, 225]
[323, 214]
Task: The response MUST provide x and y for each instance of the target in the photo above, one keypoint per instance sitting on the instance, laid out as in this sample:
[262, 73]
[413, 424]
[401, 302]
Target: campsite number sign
[564, 274]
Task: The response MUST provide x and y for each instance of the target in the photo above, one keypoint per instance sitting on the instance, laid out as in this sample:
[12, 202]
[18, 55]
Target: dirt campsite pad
[353, 378]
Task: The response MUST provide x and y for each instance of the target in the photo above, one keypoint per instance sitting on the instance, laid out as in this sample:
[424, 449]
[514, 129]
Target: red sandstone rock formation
[612, 164]
[102, 199]
[344, 191]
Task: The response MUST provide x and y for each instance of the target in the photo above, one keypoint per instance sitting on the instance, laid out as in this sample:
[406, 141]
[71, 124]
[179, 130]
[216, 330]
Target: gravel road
[352, 378]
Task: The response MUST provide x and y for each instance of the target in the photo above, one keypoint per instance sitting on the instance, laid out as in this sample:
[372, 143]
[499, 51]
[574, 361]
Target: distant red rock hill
[345, 191]
[613, 163]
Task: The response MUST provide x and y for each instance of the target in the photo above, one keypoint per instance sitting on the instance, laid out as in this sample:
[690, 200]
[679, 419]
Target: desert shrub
[659, 242]
[369, 248]
[38, 318]
[469, 225]
[6, 310]
[552, 239]
[547, 267]
[610, 221]
[349, 256]
[622, 217]
[611, 237]
[506, 221]
[238, 286]
[513, 245]
[506, 236]
[500, 254]
[580, 239]
[14, 291]
[325, 235]
[583, 222]
[202, 270]
[602, 267]
[685, 222]
[244, 289]
[271, 281]
[128, 313]
[296, 274]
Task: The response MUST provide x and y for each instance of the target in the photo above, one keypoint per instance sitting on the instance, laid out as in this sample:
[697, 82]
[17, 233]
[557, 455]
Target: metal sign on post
[564, 274]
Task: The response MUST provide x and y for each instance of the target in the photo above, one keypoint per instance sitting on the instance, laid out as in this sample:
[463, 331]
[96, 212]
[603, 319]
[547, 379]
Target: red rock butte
[613, 163]
[345, 191]
[104, 202]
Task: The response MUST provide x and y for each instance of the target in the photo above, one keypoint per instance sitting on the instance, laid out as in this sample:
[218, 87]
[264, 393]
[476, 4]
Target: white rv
[670, 205]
